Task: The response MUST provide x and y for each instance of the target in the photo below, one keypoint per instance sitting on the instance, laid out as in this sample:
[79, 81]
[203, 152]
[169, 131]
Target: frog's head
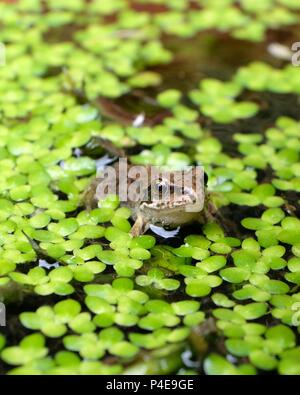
[174, 197]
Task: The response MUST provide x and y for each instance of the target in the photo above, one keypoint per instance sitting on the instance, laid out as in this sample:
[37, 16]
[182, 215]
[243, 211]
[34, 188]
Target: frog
[171, 205]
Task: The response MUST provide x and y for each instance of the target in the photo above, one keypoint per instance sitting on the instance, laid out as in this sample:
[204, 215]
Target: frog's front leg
[211, 213]
[139, 227]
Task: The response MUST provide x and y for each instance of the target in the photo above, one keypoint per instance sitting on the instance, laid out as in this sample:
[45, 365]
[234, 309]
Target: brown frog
[165, 201]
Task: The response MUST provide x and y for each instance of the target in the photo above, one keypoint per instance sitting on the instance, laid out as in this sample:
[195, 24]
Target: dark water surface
[210, 55]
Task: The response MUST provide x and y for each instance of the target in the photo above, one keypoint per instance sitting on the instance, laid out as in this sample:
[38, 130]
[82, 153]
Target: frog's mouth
[172, 199]
[186, 203]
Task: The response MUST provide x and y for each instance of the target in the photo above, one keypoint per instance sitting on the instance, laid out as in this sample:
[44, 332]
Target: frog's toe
[104, 161]
[139, 227]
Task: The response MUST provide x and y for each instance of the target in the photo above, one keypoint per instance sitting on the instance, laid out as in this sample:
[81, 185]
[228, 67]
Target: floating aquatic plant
[73, 71]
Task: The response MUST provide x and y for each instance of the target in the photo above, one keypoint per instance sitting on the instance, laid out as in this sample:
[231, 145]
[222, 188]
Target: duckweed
[98, 300]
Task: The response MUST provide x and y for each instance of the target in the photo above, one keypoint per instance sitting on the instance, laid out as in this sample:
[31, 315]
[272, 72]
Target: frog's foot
[166, 234]
[139, 227]
[104, 161]
[108, 146]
